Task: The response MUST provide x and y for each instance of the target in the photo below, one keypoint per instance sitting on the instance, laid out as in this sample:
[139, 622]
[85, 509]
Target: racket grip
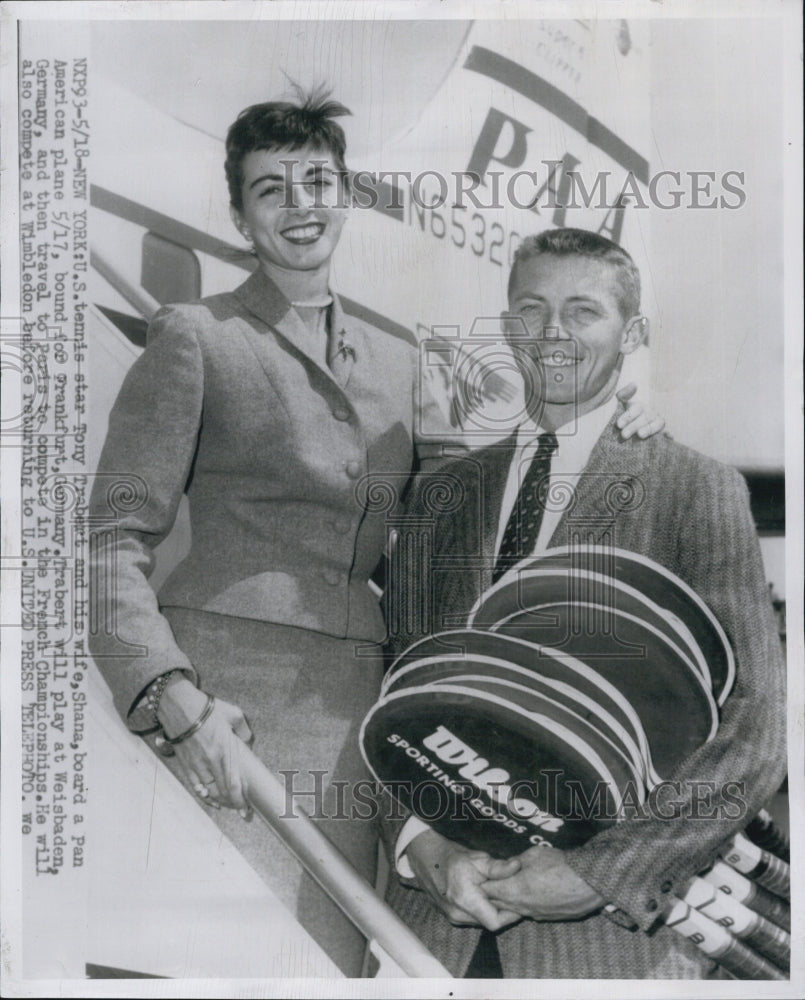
[729, 880]
[742, 922]
[717, 942]
[743, 963]
[764, 832]
[762, 867]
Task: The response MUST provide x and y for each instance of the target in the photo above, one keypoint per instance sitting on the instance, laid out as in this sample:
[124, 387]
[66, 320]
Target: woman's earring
[247, 235]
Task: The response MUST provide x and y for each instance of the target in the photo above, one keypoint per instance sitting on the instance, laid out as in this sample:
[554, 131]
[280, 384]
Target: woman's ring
[200, 789]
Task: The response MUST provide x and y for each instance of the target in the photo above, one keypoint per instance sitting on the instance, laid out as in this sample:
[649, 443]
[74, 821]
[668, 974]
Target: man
[574, 314]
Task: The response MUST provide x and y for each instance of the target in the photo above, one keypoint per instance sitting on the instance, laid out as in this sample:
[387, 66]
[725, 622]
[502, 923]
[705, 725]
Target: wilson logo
[495, 781]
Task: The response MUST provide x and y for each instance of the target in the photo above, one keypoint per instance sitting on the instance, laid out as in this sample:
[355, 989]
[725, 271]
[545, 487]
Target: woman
[273, 411]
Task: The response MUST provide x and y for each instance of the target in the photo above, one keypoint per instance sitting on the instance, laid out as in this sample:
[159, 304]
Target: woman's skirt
[304, 695]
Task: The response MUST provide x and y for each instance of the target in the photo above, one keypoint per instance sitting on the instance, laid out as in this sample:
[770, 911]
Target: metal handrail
[137, 297]
[328, 866]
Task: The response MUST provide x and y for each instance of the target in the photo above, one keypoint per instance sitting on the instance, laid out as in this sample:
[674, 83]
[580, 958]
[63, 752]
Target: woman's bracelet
[206, 713]
[155, 692]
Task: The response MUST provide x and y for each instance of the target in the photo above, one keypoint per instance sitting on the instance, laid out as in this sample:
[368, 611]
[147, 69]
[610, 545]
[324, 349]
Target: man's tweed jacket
[690, 514]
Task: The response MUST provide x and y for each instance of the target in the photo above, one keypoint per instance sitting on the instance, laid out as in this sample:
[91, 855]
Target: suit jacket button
[353, 469]
[667, 886]
[652, 905]
[340, 413]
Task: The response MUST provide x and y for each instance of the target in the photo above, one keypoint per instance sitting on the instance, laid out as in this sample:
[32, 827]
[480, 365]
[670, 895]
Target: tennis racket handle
[762, 867]
[717, 942]
[757, 932]
[730, 881]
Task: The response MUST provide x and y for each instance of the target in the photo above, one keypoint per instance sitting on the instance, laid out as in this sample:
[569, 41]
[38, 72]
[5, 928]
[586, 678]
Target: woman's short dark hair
[284, 125]
[584, 243]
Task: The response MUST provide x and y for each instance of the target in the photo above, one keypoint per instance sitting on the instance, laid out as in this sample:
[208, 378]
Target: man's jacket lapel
[610, 486]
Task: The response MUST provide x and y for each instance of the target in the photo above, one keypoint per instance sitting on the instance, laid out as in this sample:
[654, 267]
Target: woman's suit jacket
[691, 514]
[276, 453]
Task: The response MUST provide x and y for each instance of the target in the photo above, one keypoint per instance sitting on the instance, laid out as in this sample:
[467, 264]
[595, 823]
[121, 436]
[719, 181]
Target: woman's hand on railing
[210, 758]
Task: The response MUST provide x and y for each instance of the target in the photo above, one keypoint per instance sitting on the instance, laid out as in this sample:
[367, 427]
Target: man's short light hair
[584, 243]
